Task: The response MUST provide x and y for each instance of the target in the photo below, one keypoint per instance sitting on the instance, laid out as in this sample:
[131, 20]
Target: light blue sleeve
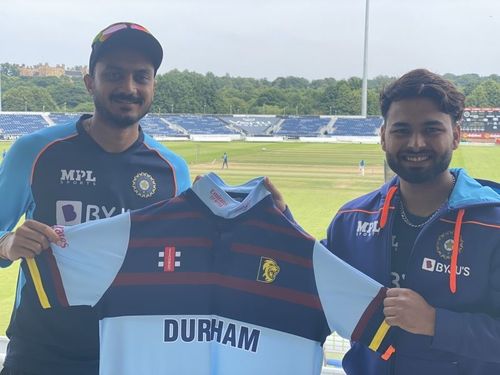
[15, 189]
[91, 256]
[179, 165]
[345, 292]
[16, 198]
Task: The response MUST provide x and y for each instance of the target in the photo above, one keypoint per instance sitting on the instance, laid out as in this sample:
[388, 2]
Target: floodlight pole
[364, 89]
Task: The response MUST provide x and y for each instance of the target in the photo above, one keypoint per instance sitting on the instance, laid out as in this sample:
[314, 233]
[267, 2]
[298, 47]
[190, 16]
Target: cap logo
[107, 32]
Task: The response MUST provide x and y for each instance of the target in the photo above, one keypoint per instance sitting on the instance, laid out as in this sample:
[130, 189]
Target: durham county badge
[268, 270]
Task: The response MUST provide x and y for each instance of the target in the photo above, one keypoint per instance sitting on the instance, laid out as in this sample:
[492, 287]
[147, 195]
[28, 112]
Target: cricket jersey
[216, 281]
[61, 176]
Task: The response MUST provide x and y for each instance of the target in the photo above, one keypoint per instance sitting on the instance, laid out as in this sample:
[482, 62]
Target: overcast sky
[267, 38]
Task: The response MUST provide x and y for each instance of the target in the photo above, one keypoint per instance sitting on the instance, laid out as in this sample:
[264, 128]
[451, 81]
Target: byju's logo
[77, 177]
[432, 265]
[68, 212]
[367, 228]
[429, 264]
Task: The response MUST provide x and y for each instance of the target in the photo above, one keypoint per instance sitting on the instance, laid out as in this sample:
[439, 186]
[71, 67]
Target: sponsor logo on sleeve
[268, 270]
[62, 236]
[217, 198]
[144, 185]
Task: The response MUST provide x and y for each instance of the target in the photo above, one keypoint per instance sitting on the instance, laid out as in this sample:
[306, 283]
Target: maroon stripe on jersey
[200, 278]
[272, 253]
[279, 229]
[372, 308]
[170, 241]
[56, 276]
[168, 216]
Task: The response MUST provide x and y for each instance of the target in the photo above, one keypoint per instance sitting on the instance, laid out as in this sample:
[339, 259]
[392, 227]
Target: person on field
[99, 166]
[362, 167]
[224, 161]
[432, 234]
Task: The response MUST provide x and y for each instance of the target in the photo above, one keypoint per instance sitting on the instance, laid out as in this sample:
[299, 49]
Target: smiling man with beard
[95, 167]
[432, 234]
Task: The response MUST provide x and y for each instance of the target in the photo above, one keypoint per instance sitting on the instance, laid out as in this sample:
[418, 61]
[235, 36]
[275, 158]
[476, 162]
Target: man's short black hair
[421, 83]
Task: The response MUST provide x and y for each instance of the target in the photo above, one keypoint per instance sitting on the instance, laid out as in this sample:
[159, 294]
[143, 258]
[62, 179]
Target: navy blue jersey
[216, 281]
[60, 176]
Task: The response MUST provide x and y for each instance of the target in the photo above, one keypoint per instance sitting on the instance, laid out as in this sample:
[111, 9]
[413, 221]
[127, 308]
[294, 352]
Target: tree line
[191, 92]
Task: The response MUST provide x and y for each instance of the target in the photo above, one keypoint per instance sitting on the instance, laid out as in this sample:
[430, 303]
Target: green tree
[28, 98]
[486, 94]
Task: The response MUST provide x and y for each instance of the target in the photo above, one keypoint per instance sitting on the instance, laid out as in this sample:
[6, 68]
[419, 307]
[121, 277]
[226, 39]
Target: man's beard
[416, 175]
[119, 121]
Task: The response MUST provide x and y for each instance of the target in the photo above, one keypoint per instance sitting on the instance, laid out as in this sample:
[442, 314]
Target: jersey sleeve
[15, 190]
[352, 302]
[84, 267]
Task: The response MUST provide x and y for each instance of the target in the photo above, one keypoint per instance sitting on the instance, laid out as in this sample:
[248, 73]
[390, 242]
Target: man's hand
[27, 241]
[408, 310]
[278, 199]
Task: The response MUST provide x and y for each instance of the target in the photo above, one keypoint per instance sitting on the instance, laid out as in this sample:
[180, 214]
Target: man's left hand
[408, 310]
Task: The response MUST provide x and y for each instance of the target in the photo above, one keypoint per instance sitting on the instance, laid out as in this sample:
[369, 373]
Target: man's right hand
[27, 241]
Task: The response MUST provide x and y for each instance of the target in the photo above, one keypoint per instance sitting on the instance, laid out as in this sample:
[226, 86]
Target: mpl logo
[432, 265]
[367, 228]
[77, 177]
[68, 212]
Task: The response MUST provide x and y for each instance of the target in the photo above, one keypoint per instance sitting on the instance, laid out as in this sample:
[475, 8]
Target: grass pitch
[315, 179]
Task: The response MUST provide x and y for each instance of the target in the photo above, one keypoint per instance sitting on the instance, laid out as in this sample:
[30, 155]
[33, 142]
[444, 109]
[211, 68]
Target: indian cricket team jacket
[466, 295]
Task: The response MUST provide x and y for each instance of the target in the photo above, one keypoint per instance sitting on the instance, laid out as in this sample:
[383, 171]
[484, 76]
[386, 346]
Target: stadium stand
[309, 126]
[63, 118]
[357, 126]
[13, 125]
[157, 127]
[252, 125]
[198, 124]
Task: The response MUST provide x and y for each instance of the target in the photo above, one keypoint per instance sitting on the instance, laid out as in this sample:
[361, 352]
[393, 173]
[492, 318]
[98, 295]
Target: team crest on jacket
[444, 245]
[144, 185]
[268, 270]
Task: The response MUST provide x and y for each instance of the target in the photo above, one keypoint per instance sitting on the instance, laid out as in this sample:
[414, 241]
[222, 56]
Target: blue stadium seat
[302, 126]
[252, 125]
[16, 125]
[198, 124]
[357, 126]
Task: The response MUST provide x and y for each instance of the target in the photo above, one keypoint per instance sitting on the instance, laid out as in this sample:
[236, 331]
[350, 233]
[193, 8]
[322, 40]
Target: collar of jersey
[89, 140]
[213, 192]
